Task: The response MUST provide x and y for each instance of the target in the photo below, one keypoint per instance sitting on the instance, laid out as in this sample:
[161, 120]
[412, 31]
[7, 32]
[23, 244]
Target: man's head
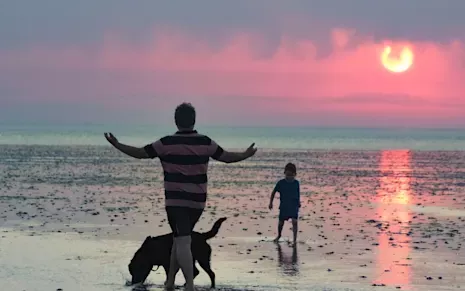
[290, 171]
[184, 116]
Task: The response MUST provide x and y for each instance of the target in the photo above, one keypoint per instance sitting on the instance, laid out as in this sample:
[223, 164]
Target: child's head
[290, 171]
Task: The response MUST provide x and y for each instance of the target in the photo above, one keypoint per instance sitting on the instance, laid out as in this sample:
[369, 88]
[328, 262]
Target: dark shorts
[182, 220]
[287, 216]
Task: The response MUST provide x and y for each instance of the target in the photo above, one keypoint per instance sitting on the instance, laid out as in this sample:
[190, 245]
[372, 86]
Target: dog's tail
[214, 231]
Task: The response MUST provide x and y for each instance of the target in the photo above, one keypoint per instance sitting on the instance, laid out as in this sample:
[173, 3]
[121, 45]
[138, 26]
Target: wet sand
[72, 217]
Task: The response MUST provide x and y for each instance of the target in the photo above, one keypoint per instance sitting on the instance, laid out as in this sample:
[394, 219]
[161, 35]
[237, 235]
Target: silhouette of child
[289, 197]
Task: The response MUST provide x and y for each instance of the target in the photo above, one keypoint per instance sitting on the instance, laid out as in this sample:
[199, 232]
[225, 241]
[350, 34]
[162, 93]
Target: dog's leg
[196, 271]
[205, 264]
[167, 269]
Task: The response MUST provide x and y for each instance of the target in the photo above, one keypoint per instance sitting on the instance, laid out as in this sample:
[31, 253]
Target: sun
[398, 63]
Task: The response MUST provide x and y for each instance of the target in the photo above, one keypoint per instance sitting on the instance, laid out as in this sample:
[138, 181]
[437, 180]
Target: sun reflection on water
[394, 196]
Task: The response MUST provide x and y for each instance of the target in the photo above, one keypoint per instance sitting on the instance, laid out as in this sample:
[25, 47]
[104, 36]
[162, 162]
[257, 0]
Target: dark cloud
[23, 23]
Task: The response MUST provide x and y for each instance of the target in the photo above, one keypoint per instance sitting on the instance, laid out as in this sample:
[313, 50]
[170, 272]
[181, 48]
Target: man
[184, 157]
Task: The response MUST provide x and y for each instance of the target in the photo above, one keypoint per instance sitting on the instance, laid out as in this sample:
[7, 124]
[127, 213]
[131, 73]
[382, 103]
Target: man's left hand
[111, 138]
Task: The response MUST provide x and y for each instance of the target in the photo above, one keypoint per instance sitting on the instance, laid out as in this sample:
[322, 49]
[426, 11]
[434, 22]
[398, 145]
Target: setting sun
[397, 61]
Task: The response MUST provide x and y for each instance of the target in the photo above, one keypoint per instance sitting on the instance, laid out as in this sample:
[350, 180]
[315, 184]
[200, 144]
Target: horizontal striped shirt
[184, 157]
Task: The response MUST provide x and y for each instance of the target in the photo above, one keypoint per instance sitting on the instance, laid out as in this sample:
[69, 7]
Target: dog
[156, 251]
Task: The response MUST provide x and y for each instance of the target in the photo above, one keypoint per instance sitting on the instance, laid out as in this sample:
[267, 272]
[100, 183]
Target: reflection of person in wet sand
[289, 264]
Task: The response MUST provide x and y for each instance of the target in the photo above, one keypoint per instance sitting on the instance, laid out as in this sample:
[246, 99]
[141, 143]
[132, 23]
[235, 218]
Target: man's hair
[291, 168]
[184, 116]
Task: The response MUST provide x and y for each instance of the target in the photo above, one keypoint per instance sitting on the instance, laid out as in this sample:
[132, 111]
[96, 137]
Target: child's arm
[271, 199]
[273, 193]
[298, 193]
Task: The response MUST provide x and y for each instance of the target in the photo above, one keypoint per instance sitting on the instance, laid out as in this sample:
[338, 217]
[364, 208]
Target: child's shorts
[287, 216]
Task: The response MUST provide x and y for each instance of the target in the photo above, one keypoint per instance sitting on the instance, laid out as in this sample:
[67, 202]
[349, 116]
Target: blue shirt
[289, 195]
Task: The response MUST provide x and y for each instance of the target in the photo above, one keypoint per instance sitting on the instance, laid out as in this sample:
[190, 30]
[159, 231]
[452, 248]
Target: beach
[71, 218]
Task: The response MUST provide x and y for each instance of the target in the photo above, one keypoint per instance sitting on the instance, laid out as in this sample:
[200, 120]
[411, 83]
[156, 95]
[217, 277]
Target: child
[289, 197]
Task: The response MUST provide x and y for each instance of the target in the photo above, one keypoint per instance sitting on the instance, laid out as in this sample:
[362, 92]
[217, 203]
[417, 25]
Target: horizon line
[200, 125]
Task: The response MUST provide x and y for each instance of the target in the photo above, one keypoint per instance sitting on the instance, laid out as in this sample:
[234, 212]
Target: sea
[284, 138]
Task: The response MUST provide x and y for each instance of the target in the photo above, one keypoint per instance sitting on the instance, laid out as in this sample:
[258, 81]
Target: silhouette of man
[184, 156]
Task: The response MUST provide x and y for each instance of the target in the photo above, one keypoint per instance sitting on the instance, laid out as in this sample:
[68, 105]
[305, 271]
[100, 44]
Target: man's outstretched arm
[234, 157]
[135, 152]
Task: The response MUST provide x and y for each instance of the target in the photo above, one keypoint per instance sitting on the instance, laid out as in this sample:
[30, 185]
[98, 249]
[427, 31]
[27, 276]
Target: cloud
[84, 22]
[244, 73]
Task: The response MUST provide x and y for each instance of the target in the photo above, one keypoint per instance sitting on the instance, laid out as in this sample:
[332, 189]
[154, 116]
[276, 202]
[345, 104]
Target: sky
[242, 62]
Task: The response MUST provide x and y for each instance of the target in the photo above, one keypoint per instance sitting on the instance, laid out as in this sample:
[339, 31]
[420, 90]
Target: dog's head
[142, 263]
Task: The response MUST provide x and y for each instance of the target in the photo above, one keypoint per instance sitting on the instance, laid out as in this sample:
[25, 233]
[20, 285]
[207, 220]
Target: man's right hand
[251, 150]
[270, 206]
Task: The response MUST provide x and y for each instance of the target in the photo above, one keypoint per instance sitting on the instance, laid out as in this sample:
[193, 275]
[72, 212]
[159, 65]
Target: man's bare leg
[174, 268]
[184, 258]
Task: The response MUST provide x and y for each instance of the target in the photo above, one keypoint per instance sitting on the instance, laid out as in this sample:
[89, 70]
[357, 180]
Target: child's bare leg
[295, 228]
[280, 230]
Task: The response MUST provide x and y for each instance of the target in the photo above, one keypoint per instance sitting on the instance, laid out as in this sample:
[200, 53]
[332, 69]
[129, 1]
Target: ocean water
[290, 138]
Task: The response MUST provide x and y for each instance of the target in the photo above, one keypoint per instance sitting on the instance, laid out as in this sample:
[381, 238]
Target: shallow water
[72, 217]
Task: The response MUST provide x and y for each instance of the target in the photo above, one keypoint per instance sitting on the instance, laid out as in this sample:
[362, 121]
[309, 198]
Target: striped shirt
[184, 157]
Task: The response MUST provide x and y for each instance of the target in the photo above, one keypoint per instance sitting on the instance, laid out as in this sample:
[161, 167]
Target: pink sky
[241, 80]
